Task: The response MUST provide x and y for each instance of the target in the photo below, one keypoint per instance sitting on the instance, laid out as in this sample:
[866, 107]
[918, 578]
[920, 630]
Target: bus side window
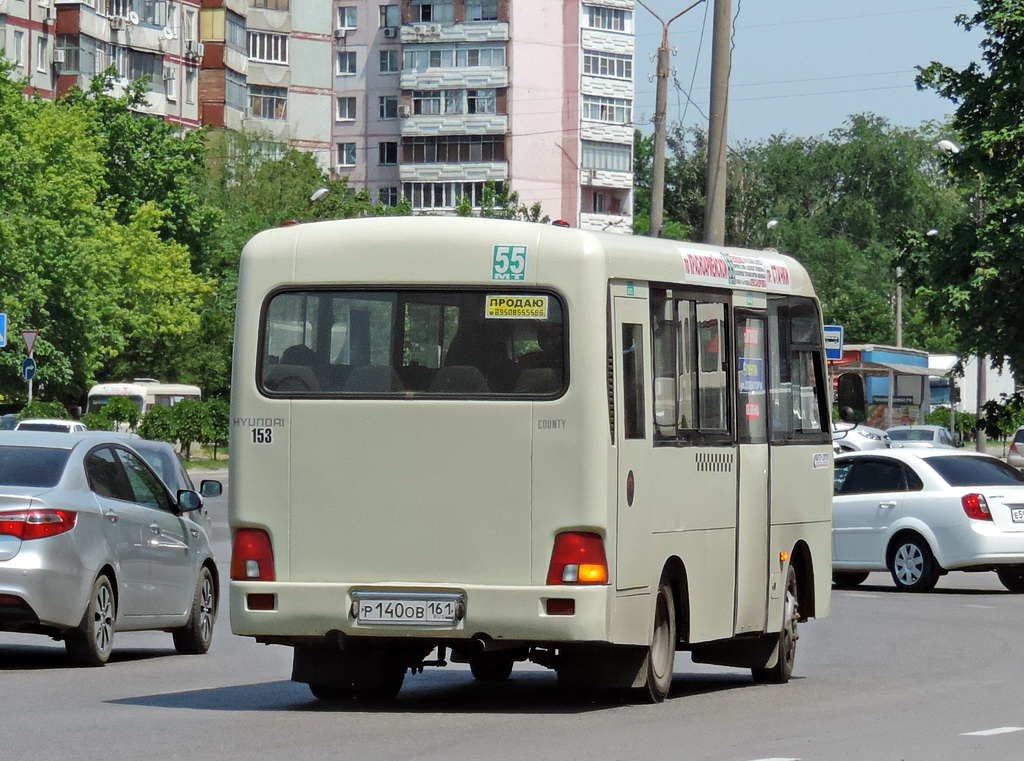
[632, 380]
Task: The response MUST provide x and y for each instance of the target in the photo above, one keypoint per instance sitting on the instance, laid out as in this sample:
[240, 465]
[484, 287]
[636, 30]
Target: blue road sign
[833, 342]
[28, 369]
[3, 329]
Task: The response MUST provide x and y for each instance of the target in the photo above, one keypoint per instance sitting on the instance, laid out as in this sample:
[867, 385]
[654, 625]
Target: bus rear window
[408, 344]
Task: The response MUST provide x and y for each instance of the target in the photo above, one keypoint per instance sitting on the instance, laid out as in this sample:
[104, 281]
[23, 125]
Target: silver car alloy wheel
[103, 618]
[908, 563]
[207, 608]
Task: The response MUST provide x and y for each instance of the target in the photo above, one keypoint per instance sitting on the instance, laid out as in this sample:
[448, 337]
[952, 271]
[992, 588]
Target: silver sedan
[93, 542]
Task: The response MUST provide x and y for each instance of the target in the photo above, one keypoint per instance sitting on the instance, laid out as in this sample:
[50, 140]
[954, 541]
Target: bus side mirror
[852, 407]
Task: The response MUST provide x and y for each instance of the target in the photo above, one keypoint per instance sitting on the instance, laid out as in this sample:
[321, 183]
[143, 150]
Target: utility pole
[721, 62]
[660, 106]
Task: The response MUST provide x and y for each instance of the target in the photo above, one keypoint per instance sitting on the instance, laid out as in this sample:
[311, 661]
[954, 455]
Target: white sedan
[920, 513]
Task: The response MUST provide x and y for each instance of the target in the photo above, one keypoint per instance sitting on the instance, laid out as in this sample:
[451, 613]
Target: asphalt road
[887, 676]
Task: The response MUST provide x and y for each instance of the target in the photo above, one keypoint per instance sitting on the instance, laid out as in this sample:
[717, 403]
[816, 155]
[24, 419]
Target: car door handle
[110, 516]
[154, 528]
[887, 505]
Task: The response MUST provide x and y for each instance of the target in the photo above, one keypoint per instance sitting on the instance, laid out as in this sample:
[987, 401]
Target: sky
[801, 67]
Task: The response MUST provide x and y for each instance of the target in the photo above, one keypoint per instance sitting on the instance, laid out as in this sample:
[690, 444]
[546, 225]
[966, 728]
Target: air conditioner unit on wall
[116, 23]
[194, 49]
[390, 32]
[58, 56]
[404, 111]
[339, 34]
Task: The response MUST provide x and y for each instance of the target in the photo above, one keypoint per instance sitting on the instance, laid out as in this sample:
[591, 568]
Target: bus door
[634, 500]
[753, 512]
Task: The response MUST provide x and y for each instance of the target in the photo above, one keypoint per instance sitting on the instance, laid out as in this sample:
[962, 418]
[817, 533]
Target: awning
[884, 368]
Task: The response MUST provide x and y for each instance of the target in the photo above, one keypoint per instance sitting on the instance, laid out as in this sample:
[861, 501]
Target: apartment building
[421, 99]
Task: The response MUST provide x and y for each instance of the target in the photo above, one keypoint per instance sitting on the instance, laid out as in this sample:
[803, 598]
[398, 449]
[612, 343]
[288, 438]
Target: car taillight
[1013, 448]
[578, 558]
[37, 524]
[976, 507]
[252, 557]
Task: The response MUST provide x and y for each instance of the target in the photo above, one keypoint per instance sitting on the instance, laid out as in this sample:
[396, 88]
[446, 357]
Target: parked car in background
[93, 542]
[857, 438]
[920, 513]
[50, 424]
[8, 421]
[1015, 456]
[921, 436]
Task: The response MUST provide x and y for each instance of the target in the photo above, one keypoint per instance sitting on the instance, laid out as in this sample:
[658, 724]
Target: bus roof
[406, 251]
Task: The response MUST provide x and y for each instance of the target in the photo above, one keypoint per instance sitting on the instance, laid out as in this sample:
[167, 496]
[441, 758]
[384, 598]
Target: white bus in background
[497, 441]
[146, 393]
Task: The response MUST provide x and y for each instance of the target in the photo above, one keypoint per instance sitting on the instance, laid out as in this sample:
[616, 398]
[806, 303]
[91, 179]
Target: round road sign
[28, 368]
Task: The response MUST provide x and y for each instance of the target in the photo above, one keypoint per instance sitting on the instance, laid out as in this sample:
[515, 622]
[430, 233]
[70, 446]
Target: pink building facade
[419, 99]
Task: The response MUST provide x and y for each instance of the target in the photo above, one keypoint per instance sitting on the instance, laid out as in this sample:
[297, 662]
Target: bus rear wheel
[661, 654]
[785, 650]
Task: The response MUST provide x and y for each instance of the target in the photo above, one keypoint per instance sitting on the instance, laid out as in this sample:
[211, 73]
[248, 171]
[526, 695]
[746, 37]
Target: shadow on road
[524, 693]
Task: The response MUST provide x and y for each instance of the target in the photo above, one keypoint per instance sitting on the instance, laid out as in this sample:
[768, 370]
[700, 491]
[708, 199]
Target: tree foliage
[848, 205]
[972, 275]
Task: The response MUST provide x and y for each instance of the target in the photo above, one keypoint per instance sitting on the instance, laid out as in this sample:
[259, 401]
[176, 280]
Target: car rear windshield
[32, 466]
[922, 435]
[964, 470]
[51, 427]
[409, 344]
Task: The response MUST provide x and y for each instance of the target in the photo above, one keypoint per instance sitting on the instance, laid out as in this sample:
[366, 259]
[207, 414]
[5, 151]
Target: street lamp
[980, 444]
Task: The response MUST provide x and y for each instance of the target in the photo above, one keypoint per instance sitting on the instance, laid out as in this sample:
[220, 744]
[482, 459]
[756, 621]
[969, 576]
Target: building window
[388, 196]
[608, 65]
[608, 110]
[71, 45]
[608, 156]
[191, 76]
[119, 7]
[387, 107]
[481, 10]
[152, 12]
[612, 19]
[268, 102]
[41, 53]
[236, 94]
[271, 5]
[146, 66]
[346, 109]
[480, 101]
[18, 53]
[347, 17]
[422, 60]
[268, 48]
[236, 36]
[171, 82]
[346, 62]
[390, 15]
[389, 62]
[432, 10]
[599, 203]
[444, 195]
[426, 102]
[387, 153]
[453, 149]
[346, 154]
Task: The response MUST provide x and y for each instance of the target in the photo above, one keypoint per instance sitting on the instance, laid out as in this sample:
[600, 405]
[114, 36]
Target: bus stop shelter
[908, 384]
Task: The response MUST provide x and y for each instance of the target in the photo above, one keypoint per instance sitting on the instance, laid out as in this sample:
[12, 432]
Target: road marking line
[997, 731]
[776, 759]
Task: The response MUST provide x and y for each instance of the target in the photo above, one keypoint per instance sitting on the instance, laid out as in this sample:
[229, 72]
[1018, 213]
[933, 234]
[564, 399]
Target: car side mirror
[210, 488]
[852, 407]
[189, 500]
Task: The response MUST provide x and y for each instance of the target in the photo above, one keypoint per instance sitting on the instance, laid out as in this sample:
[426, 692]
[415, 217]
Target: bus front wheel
[785, 650]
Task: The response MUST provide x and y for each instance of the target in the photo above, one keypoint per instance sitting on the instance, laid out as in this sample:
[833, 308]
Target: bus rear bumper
[293, 613]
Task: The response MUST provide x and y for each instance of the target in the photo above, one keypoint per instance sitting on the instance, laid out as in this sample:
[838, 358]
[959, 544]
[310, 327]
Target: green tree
[217, 420]
[189, 418]
[158, 425]
[38, 409]
[121, 409]
[972, 274]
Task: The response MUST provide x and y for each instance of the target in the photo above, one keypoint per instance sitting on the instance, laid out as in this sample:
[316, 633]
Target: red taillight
[36, 524]
[1013, 448]
[578, 558]
[976, 507]
[252, 557]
